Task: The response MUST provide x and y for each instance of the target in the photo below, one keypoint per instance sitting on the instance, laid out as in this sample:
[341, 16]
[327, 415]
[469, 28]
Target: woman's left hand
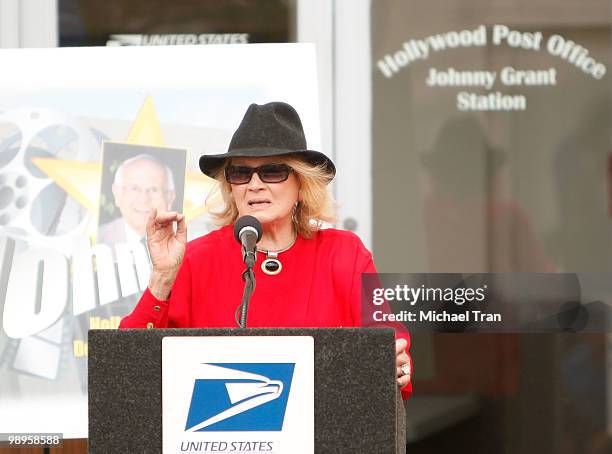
[402, 362]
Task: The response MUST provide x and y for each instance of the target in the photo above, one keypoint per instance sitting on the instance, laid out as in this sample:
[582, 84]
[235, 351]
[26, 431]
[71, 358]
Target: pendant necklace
[272, 265]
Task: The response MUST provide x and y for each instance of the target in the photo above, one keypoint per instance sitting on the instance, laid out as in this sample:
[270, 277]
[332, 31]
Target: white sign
[54, 209]
[238, 394]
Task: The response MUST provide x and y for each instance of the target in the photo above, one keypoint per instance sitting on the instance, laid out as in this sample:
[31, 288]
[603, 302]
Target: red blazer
[319, 286]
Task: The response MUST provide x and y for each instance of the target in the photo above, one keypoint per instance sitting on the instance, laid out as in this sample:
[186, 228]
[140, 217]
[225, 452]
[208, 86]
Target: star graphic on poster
[82, 180]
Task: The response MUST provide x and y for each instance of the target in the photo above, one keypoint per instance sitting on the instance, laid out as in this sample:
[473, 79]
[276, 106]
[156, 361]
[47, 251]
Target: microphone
[247, 232]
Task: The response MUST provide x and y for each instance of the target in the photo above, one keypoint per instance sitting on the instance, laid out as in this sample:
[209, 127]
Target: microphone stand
[248, 276]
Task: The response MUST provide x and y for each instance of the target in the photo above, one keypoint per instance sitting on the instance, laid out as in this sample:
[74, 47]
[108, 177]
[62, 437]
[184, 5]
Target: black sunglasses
[268, 173]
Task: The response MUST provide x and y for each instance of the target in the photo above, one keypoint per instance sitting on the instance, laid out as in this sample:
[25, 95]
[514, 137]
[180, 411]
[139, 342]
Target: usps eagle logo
[240, 397]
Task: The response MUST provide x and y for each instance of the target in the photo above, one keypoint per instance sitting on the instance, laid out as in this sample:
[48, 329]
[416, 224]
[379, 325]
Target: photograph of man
[140, 183]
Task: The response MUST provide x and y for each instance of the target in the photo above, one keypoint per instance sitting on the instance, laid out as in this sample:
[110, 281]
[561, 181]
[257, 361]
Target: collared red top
[319, 286]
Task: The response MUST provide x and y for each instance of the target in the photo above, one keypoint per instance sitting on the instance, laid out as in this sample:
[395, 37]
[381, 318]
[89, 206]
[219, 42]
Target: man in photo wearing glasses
[140, 184]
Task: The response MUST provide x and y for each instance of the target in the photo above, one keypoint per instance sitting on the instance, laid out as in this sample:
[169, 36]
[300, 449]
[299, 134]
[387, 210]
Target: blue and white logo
[240, 397]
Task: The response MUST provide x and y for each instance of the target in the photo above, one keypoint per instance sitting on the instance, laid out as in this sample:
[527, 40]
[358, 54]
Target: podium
[357, 404]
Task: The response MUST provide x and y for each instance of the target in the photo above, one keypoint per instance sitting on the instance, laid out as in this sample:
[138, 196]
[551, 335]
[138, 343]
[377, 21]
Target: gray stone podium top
[356, 402]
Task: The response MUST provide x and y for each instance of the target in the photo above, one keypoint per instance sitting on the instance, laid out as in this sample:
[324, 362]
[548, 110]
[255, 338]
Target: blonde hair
[315, 207]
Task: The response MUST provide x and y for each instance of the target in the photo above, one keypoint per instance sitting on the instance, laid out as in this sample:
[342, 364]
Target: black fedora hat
[272, 129]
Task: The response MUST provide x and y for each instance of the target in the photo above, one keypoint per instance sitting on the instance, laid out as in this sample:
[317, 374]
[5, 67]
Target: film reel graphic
[37, 212]
[32, 207]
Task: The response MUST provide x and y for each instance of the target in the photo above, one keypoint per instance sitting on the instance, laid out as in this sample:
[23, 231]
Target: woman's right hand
[166, 250]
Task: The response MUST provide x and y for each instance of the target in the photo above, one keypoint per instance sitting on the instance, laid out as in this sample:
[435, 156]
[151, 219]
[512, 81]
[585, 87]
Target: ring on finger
[405, 368]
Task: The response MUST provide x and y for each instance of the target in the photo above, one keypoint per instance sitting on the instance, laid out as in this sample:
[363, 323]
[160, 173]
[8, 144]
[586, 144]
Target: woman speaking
[306, 276]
